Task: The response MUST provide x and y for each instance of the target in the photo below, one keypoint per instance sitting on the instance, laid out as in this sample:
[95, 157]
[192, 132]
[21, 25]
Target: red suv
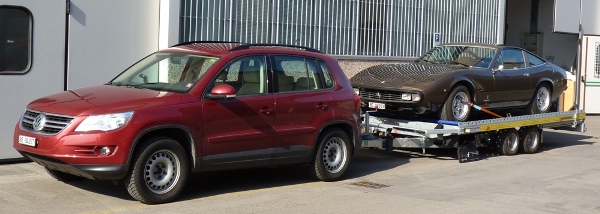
[194, 107]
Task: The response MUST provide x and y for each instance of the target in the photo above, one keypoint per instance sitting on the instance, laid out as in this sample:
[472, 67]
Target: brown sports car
[449, 77]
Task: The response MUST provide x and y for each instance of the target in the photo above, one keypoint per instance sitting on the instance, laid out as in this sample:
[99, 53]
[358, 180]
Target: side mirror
[221, 91]
[500, 68]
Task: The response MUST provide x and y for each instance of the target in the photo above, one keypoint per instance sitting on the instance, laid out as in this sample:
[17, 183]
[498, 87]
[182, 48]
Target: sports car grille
[54, 123]
[381, 95]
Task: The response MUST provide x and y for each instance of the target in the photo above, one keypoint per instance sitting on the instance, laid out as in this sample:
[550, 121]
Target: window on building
[382, 28]
[597, 65]
[15, 40]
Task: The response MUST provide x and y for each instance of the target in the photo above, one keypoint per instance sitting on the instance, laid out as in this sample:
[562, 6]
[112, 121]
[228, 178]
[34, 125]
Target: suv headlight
[104, 122]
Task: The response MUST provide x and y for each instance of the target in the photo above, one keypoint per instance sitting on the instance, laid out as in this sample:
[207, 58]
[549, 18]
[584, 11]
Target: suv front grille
[54, 123]
[381, 95]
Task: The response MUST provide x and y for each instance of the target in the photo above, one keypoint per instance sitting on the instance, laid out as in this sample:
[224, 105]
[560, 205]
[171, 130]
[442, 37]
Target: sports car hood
[102, 99]
[410, 76]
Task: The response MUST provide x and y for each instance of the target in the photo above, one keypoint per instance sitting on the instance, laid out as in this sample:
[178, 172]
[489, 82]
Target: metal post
[579, 63]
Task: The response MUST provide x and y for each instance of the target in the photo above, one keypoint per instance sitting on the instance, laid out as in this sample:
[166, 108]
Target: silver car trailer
[507, 134]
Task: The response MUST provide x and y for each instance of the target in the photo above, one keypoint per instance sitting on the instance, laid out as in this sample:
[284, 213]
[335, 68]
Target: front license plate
[376, 105]
[28, 141]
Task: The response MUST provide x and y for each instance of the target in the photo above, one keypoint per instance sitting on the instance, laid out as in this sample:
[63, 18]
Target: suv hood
[411, 76]
[102, 99]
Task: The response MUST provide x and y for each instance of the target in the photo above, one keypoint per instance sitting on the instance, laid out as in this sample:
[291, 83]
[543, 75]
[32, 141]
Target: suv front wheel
[331, 159]
[159, 173]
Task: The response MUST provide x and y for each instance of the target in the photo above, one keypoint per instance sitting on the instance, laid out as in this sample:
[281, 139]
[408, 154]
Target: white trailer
[506, 134]
[68, 44]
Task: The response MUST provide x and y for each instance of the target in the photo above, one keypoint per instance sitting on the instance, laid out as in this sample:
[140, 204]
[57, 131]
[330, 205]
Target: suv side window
[248, 75]
[327, 75]
[296, 73]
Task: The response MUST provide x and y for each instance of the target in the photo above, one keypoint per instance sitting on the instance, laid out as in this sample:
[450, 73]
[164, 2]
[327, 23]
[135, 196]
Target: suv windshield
[173, 72]
[480, 57]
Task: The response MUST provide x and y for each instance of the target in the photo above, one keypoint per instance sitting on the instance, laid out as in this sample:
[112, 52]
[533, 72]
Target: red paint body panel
[224, 129]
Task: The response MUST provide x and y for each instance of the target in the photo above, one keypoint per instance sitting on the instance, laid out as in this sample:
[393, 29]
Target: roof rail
[247, 46]
[194, 42]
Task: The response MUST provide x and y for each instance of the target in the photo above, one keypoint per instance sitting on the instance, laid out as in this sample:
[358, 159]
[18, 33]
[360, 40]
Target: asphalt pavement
[563, 177]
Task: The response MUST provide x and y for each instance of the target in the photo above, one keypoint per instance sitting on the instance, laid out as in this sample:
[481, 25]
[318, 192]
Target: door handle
[526, 74]
[266, 110]
[322, 107]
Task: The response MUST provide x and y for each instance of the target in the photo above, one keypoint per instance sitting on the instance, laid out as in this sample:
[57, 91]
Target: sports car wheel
[456, 107]
[540, 103]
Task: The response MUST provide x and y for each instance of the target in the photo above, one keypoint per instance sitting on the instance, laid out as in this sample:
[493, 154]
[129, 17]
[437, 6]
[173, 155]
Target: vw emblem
[378, 95]
[39, 122]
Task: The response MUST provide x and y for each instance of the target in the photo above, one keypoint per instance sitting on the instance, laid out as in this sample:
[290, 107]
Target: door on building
[591, 73]
[32, 59]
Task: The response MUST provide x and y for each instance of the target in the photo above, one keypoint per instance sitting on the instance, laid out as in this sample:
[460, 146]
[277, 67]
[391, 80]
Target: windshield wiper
[459, 63]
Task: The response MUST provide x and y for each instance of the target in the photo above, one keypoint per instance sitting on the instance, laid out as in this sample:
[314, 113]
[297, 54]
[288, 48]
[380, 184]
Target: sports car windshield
[173, 72]
[469, 56]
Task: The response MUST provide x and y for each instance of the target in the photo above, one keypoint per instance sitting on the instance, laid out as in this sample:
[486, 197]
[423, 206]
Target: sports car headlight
[104, 122]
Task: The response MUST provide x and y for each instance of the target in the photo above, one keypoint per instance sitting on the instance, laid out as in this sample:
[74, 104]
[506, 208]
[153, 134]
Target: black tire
[530, 139]
[508, 142]
[63, 176]
[332, 156]
[540, 102]
[453, 109]
[159, 171]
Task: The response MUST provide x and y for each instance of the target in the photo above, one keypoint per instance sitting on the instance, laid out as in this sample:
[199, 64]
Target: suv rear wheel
[159, 173]
[331, 159]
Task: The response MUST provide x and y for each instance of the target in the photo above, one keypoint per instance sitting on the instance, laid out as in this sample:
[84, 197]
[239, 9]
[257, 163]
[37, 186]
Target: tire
[508, 142]
[63, 176]
[159, 172]
[453, 109]
[530, 139]
[332, 156]
[540, 102]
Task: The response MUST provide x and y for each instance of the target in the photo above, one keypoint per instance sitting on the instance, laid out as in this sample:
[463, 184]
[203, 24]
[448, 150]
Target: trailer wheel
[332, 156]
[530, 139]
[159, 171]
[508, 142]
[63, 176]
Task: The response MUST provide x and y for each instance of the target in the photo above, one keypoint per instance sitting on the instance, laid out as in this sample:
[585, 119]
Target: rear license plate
[28, 141]
[376, 105]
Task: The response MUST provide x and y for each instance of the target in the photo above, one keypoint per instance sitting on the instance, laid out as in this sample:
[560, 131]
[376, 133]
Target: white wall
[563, 47]
[108, 36]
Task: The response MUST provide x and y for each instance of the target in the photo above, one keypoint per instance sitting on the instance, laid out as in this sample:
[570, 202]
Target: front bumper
[94, 172]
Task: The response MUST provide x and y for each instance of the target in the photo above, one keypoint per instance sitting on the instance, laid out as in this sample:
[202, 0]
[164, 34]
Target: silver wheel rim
[161, 171]
[513, 143]
[531, 140]
[459, 109]
[543, 99]
[334, 155]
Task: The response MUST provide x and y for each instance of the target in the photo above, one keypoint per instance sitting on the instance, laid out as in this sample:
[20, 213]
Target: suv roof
[219, 48]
